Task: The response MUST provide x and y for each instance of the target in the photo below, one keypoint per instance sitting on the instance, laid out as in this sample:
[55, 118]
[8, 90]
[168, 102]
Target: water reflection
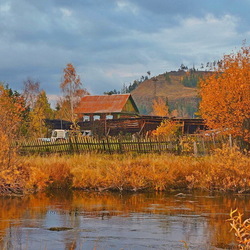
[85, 220]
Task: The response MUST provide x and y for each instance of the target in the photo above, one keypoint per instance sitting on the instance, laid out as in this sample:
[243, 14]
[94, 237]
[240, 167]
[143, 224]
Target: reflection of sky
[122, 222]
[136, 231]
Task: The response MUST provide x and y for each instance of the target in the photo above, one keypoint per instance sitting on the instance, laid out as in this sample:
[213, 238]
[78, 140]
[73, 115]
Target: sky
[114, 42]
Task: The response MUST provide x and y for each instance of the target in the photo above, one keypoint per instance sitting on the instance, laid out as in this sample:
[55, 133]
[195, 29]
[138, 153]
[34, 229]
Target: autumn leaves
[225, 95]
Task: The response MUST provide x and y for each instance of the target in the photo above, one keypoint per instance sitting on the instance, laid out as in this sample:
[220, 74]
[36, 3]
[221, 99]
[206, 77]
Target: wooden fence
[197, 145]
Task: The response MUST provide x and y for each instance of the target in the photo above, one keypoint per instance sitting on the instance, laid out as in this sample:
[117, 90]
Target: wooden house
[105, 107]
[96, 112]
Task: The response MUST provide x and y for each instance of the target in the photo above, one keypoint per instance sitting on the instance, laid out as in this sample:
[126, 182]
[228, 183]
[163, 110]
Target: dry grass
[226, 170]
[241, 228]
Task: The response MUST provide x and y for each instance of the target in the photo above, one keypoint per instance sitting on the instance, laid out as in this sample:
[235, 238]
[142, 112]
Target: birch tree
[72, 90]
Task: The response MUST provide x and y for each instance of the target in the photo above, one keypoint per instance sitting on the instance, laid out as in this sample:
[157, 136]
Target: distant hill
[183, 100]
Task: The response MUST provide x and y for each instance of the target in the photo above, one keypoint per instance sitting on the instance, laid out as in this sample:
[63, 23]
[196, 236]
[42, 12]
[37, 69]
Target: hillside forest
[177, 89]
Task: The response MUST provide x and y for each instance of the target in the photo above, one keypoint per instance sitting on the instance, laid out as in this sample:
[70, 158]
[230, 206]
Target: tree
[30, 92]
[225, 95]
[40, 112]
[62, 109]
[11, 112]
[191, 78]
[12, 173]
[71, 88]
[160, 107]
[167, 128]
[112, 92]
[183, 67]
[167, 77]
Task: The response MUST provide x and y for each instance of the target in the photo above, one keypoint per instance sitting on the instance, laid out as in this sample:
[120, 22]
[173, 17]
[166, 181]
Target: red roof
[90, 104]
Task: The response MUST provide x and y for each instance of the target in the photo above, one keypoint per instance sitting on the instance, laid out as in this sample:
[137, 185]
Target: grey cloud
[114, 41]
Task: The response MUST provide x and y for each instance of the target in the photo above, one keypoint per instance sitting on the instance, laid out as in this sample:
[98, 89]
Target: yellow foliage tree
[166, 128]
[40, 112]
[160, 107]
[12, 174]
[72, 90]
[63, 109]
[225, 95]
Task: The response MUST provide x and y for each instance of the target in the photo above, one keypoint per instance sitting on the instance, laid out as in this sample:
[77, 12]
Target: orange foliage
[10, 113]
[160, 107]
[241, 228]
[71, 88]
[225, 95]
[166, 128]
[12, 174]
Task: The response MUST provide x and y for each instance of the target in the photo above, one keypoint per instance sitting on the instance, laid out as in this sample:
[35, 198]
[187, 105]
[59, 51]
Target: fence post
[139, 145]
[104, 148]
[87, 142]
[195, 149]
[204, 147]
[213, 140]
[230, 141]
[71, 145]
[178, 146]
[76, 143]
[120, 145]
[150, 143]
[108, 145]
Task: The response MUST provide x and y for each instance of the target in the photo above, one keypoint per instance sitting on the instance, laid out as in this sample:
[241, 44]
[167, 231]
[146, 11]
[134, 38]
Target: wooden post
[71, 148]
[76, 143]
[178, 145]
[213, 139]
[103, 143]
[203, 144]
[230, 141]
[139, 146]
[109, 149]
[195, 149]
[87, 141]
[150, 143]
[120, 145]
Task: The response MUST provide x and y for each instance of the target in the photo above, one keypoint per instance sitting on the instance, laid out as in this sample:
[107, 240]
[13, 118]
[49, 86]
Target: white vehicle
[59, 134]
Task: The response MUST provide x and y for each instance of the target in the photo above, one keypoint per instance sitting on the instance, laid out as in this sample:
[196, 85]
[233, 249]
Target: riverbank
[225, 170]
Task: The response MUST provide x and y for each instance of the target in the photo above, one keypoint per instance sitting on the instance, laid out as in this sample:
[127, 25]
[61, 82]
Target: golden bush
[241, 229]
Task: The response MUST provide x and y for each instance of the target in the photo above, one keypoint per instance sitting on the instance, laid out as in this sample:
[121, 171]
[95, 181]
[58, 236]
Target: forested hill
[179, 88]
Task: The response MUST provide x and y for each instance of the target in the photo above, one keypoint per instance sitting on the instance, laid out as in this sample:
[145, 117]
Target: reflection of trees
[193, 211]
[13, 211]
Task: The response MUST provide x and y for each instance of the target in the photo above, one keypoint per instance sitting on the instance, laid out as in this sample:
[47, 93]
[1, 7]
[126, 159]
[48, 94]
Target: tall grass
[225, 170]
[241, 229]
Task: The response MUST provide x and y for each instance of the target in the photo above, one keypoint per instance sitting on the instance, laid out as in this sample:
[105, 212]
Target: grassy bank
[225, 170]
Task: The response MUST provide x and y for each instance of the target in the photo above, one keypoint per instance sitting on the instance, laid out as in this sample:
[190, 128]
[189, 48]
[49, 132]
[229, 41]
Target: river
[90, 220]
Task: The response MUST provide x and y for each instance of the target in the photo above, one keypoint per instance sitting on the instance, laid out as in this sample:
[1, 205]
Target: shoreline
[227, 170]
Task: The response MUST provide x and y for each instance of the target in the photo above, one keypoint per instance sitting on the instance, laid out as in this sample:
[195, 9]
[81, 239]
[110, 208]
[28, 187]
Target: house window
[86, 118]
[96, 117]
[109, 117]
